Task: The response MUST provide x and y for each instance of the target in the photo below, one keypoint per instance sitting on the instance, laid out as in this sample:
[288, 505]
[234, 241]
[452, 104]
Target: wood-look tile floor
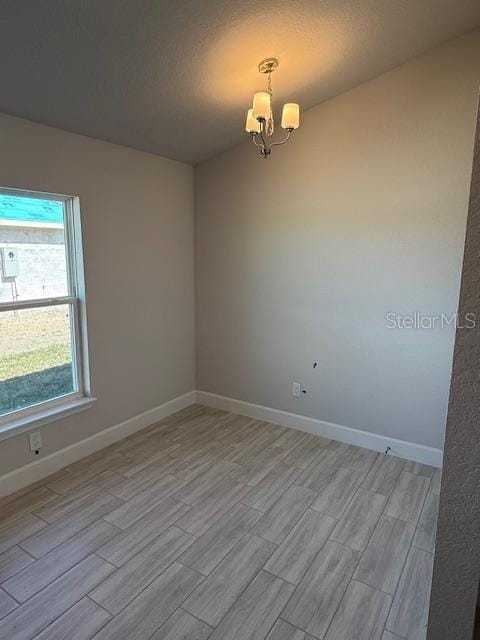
[213, 525]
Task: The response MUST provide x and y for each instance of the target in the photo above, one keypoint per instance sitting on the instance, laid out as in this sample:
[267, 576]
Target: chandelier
[260, 124]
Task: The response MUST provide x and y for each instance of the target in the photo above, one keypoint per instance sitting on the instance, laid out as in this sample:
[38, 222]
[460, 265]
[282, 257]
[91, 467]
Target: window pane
[32, 248]
[35, 356]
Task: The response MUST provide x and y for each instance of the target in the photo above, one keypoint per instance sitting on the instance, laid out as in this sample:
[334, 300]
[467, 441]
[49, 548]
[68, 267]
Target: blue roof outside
[30, 209]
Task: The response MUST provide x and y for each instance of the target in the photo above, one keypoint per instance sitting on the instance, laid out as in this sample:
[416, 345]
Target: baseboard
[400, 448]
[22, 477]
[30, 473]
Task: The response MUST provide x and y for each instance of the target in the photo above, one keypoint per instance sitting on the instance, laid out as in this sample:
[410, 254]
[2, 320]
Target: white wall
[137, 222]
[300, 257]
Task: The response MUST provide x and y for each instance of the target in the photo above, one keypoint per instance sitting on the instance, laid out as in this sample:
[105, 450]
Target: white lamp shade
[252, 125]
[290, 116]
[261, 105]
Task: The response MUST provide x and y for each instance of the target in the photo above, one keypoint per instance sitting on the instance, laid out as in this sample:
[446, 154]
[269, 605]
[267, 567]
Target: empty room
[239, 320]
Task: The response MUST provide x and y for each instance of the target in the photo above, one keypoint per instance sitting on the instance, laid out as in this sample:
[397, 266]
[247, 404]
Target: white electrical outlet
[35, 441]
[296, 389]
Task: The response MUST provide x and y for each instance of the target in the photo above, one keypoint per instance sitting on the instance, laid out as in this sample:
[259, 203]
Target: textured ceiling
[174, 77]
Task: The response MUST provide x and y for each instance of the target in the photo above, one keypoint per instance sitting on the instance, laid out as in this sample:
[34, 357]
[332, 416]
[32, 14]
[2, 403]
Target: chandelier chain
[269, 123]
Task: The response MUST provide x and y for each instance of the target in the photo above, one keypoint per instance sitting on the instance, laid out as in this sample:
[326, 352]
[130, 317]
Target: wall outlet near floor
[296, 389]
[35, 441]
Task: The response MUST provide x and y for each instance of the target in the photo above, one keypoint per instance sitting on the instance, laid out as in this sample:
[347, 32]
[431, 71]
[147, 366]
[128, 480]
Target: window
[42, 331]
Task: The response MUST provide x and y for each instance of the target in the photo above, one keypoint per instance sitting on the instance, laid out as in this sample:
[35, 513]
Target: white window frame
[36, 415]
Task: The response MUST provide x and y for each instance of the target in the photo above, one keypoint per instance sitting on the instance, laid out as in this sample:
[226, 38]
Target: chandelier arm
[254, 138]
[276, 144]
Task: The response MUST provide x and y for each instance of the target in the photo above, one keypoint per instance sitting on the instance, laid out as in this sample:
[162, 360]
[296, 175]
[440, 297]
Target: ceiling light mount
[260, 117]
[268, 65]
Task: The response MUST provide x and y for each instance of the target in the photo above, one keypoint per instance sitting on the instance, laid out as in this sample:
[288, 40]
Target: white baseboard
[22, 477]
[400, 448]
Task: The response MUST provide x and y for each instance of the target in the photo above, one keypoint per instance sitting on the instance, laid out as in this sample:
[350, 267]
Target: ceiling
[175, 77]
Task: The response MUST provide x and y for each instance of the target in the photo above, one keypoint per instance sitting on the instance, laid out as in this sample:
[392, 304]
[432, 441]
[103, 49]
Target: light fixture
[260, 124]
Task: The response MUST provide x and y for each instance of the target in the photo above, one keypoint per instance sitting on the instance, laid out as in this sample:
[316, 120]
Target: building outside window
[43, 354]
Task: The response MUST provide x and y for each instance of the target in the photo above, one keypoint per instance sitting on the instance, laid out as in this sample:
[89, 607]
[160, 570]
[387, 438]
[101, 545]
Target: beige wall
[137, 221]
[299, 257]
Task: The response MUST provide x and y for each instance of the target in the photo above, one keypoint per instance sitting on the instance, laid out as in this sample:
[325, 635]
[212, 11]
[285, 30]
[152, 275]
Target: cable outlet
[296, 389]
[35, 441]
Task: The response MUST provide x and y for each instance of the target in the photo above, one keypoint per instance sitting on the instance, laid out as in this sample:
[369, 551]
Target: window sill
[40, 418]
